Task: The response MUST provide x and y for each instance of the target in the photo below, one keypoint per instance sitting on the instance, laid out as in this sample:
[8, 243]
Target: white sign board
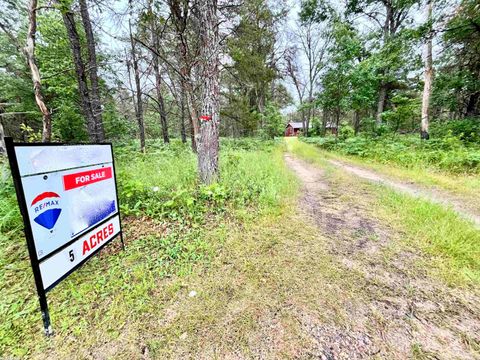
[70, 199]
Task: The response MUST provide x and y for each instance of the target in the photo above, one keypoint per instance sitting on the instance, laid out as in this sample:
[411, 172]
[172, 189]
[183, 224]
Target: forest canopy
[127, 70]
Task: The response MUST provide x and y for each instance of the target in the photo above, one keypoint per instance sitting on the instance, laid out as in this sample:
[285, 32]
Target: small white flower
[192, 293]
[155, 188]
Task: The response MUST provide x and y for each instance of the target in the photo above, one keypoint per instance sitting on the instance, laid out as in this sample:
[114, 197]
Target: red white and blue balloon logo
[46, 209]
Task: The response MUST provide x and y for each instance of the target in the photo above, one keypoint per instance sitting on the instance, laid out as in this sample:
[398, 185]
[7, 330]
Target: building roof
[295, 125]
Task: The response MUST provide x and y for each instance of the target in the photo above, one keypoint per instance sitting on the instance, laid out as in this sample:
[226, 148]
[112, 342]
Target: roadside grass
[254, 302]
[169, 232]
[465, 186]
[452, 242]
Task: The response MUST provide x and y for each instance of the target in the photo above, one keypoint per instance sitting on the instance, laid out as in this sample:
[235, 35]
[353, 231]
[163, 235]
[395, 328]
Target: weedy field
[168, 221]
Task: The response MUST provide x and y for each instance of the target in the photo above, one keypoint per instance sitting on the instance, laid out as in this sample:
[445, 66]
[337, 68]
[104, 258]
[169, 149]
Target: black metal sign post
[34, 260]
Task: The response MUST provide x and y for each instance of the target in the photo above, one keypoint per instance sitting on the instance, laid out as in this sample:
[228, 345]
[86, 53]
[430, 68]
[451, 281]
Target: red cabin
[293, 128]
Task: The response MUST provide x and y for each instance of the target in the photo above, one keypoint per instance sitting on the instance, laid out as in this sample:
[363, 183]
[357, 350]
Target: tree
[314, 42]
[457, 81]
[253, 68]
[95, 102]
[29, 52]
[390, 21]
[186, 52]
[208, 140]
[154, 29]
[138, 87]
[428, 75]
[80, 70]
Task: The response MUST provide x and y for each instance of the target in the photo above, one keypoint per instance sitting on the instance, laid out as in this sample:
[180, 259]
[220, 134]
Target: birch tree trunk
[139, 107]
[2, 139]
[208, 141]
[96, 103]
[74, 39]
[29, 52]
[381, 104]
[428, 77]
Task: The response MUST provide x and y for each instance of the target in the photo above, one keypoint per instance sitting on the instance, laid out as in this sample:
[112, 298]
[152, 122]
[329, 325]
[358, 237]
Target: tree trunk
[2, 138]
[96, 103]
[428, 77]
[472, 105]
[208, 141]
[324, 122]
[179, 11]
[356, 121]
[74, 38]
[381, 103]
[139, 107]
[29, 52]
[183, 131]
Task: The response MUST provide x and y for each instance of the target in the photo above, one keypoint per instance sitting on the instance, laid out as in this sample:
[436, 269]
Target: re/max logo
[45, 204]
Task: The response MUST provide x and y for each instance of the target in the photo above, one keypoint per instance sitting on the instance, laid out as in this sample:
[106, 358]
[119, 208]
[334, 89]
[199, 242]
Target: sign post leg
[45, 315]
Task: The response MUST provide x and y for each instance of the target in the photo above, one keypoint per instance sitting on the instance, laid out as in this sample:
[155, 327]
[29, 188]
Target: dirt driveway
[399, 312]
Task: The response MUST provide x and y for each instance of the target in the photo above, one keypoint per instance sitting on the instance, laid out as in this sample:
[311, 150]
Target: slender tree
[180, 15]
[158, 75]
[208, 140]
[2, 138]
[139, 107]
[29, 53]
[95, 102]
[428, 75]
[80, 71]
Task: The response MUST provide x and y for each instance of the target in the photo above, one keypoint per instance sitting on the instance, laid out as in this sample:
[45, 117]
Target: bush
[467, 130]
[448, 153]
[163, 182]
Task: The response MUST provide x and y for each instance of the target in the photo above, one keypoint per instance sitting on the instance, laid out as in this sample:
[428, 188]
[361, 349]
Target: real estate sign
[68, 198]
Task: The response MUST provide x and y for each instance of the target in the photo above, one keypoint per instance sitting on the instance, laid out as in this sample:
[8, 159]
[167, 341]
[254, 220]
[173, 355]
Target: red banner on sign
[72, 181]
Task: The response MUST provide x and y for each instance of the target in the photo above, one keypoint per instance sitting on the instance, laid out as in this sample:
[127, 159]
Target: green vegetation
[448, 153]
[168, 230]
[429, 227]
[453, 242]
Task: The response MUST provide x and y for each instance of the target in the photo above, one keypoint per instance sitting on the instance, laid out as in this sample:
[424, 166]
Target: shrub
[448, 153]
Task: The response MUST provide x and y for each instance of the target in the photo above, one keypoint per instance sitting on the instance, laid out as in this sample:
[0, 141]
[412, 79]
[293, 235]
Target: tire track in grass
[412, 189]
[401, 312]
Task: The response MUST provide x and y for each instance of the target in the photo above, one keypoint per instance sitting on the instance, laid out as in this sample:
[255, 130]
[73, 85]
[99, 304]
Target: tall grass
[448, 153]
[169, 216]
[432, 228]
[454, 242]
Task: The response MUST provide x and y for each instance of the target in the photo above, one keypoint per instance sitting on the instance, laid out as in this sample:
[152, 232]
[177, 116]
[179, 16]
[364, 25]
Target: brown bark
[208, 140]
[74, 39]
[382, 92]
[356, 121]
[29, 52]
[428, 78]
[139, 107]
[324, 122]
[96, 103]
